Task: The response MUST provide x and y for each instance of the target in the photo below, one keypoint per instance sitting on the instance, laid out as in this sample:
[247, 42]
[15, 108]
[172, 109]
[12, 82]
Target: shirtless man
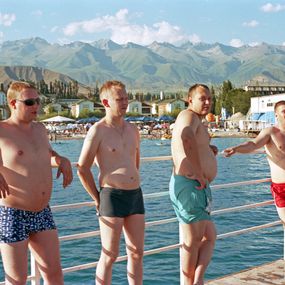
[273, 138]
[114, 144]
[26, 221]
[194, 168]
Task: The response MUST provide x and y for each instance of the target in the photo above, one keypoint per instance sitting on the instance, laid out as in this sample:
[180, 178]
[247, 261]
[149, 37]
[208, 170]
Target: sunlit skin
[194, 158]
[114, 145]
[26, 158]
[273, 139]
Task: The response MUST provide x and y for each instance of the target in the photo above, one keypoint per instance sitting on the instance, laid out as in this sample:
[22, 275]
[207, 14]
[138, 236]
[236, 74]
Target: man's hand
[4, 188]
[97, 205]
[229, 151]
[214, 149]
[201, 179]
[66, 170]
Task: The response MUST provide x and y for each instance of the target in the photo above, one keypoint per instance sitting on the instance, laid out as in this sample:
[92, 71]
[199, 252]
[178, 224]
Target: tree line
[224, 96]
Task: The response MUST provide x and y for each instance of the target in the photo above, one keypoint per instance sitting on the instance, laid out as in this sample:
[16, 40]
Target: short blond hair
[106, 88]
[16, 88]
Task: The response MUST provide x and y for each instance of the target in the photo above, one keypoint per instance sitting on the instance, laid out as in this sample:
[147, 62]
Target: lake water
[230, 255]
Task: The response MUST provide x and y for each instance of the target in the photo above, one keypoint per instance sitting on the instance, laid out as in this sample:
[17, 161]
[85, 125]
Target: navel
[20, 152]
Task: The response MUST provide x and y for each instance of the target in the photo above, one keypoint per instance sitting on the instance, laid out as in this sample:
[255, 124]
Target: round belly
[30, 193]
[209, 166]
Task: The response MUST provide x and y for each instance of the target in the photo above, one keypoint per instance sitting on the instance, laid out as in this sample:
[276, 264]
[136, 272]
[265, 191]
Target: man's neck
[19, 123]
[114, 121]
[282, 127]
[198, 115]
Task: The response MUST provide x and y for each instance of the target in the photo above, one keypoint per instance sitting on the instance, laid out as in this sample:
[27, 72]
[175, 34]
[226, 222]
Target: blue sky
[230, 22]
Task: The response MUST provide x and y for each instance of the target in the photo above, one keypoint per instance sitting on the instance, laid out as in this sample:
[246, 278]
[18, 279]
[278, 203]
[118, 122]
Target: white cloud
[195, 39]
[7, 19]
[283, 44]
[251, 24]
[37, 13]
[268, 8]
[254, 44]
[236, 43]
[122, 31]
[1, 36]
[54, 29]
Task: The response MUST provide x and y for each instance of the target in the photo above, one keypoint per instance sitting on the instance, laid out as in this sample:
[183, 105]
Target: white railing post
[283, 241]
[180, 253]
[35, 273]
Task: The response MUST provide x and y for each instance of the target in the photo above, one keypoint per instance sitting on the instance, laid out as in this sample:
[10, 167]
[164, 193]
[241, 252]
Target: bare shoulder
[268, 131]
[5, 126]
[186, 118]
[95, 130]
[39, 126]
[132, 127]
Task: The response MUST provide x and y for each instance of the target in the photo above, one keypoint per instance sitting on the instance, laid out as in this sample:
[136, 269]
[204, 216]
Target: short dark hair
[279, 103]
[194, 87]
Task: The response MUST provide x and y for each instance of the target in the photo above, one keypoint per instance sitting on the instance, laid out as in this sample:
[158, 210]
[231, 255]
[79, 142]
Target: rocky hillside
[159, 66]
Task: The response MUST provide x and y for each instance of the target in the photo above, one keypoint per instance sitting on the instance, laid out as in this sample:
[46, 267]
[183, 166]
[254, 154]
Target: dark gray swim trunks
[16, 225]
[120, 203]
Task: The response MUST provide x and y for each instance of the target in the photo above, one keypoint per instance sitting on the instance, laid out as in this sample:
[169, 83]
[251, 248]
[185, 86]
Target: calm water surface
[231, 254]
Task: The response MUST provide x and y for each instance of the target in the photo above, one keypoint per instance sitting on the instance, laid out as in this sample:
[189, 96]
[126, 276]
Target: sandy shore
[232, 134]
[217, 134]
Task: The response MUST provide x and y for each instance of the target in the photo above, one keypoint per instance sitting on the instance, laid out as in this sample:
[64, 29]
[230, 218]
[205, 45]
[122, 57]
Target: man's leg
[15, 262]
[110, 231]
[281, 214]
[192, 238]
[134, 226]
[205, 252]
[45, 248]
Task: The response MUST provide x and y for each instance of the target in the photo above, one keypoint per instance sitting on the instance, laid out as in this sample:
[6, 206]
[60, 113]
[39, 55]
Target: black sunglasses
[30, 102]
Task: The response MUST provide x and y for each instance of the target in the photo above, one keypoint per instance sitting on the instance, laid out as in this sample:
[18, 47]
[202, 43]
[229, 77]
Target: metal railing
[35, 276]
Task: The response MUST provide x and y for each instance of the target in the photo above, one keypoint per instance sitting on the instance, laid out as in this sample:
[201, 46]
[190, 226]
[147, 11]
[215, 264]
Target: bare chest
[115, 144]
[202, 136]
[277, 145]
[16, 149]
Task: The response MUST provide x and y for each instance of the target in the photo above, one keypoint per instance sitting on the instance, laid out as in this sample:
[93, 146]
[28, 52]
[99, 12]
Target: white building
[261, 112]
[81, 105]
[134, 106]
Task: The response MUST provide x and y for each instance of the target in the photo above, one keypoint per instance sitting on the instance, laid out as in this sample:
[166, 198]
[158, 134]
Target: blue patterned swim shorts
[16, 225]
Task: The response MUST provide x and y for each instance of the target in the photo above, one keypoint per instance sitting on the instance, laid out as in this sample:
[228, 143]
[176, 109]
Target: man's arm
[64, 167]
[188, 136]
[137, 149]
[4, 188]
[261, 140]
[85, 162]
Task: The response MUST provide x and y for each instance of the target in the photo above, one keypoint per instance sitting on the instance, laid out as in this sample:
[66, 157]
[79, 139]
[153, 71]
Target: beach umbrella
[133, 119]
[88, 120]
[165, 118]
[148, 119]
[58, 119]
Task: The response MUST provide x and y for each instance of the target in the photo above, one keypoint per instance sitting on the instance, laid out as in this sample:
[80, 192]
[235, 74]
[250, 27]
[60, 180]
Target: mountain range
[158, 66]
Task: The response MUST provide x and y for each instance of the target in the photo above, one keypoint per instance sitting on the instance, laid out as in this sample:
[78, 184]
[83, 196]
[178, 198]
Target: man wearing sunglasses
[26, 158]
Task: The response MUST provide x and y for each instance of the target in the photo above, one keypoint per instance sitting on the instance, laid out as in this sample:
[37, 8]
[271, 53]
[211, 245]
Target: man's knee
[19, 280]
[109, 257]
[53, 275]
[135, 253]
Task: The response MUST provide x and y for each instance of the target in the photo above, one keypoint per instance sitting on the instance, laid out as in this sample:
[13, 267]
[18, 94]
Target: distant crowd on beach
[72, 131]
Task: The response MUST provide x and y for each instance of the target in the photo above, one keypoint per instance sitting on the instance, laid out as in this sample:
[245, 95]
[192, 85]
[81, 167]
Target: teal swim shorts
[190, 204]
